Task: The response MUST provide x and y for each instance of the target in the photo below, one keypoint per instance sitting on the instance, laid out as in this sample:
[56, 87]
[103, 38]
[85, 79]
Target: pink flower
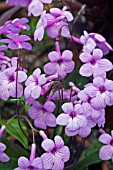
[73, 118]
[106, 151]
[94, 64]
[43, 115]
[60, 64]
[34, 84]
[56, 154]
[36, 7]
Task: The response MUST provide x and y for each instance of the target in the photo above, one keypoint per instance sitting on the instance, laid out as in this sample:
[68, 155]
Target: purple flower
[4, 29]
[36, 7]
[41, 25]
[94, 64]
[8, 83]
[17, 42]
[94, 116]
[106, 151]
[32, 164]
[3, 156]
[55, 20]
[34, 83]
[58, 21]
[56, 154]
[60, 64]
[73, 118]
[88, 109]
[92, 40]
[18, 24]
[100, 92]
[43, 115]
[19, 2]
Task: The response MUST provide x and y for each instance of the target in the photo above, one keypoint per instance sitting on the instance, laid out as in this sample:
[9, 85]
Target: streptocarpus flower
[17, 25]
[8, 83]
[94, 64]
[32, 164]
[3, 156]
[18, 2]
[43, 115]
[36, 7]
[106, 151]
[56, 154]
[73, 118]
[17, 42]
[58, 21]
[100, 92]
[60, 64]
[55, 20]
[34, 83]
[92, 40]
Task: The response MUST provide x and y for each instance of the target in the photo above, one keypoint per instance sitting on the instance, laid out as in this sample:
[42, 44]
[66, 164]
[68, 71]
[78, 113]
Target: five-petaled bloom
[34, 83]
[106, 151]
[56, 154]
[43, 115]
[73, 118]
[94, 64]
[17, 42]
[8, 79]
[60, 64]
[93, 40]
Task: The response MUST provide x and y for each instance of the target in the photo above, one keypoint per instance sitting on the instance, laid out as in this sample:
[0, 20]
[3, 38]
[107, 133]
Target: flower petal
[62, 119]
[86, 70]
[106, 152]
[59, 143]
[67, 107]
[23, 162]
[105, 138]
[48, 145]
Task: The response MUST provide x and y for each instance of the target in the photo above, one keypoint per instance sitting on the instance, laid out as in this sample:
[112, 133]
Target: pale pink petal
[54, 56]
[62, 119]
[85, 57]
[50, 119]
[36, 91]
[64, 153]
[59, 143]
[48, 145]
[50, 68]
[105, 138]
[47, 159]
[67, 107]
[86, 70]
[106, 152]
[49, 106]
[23, 162]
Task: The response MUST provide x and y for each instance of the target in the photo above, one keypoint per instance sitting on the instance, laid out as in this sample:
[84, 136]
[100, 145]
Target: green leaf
[89, 156]
[14, 152]
[14, 130]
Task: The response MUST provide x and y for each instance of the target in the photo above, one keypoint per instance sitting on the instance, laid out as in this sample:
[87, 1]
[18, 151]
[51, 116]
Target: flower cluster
[79, 110]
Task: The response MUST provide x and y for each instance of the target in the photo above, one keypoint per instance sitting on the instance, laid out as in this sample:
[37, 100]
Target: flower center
[111, 143]
[93, 62]
[31, 168]
[11, 78]
[54, 150]
[102, 89]
[60, 61]
[72, 114]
